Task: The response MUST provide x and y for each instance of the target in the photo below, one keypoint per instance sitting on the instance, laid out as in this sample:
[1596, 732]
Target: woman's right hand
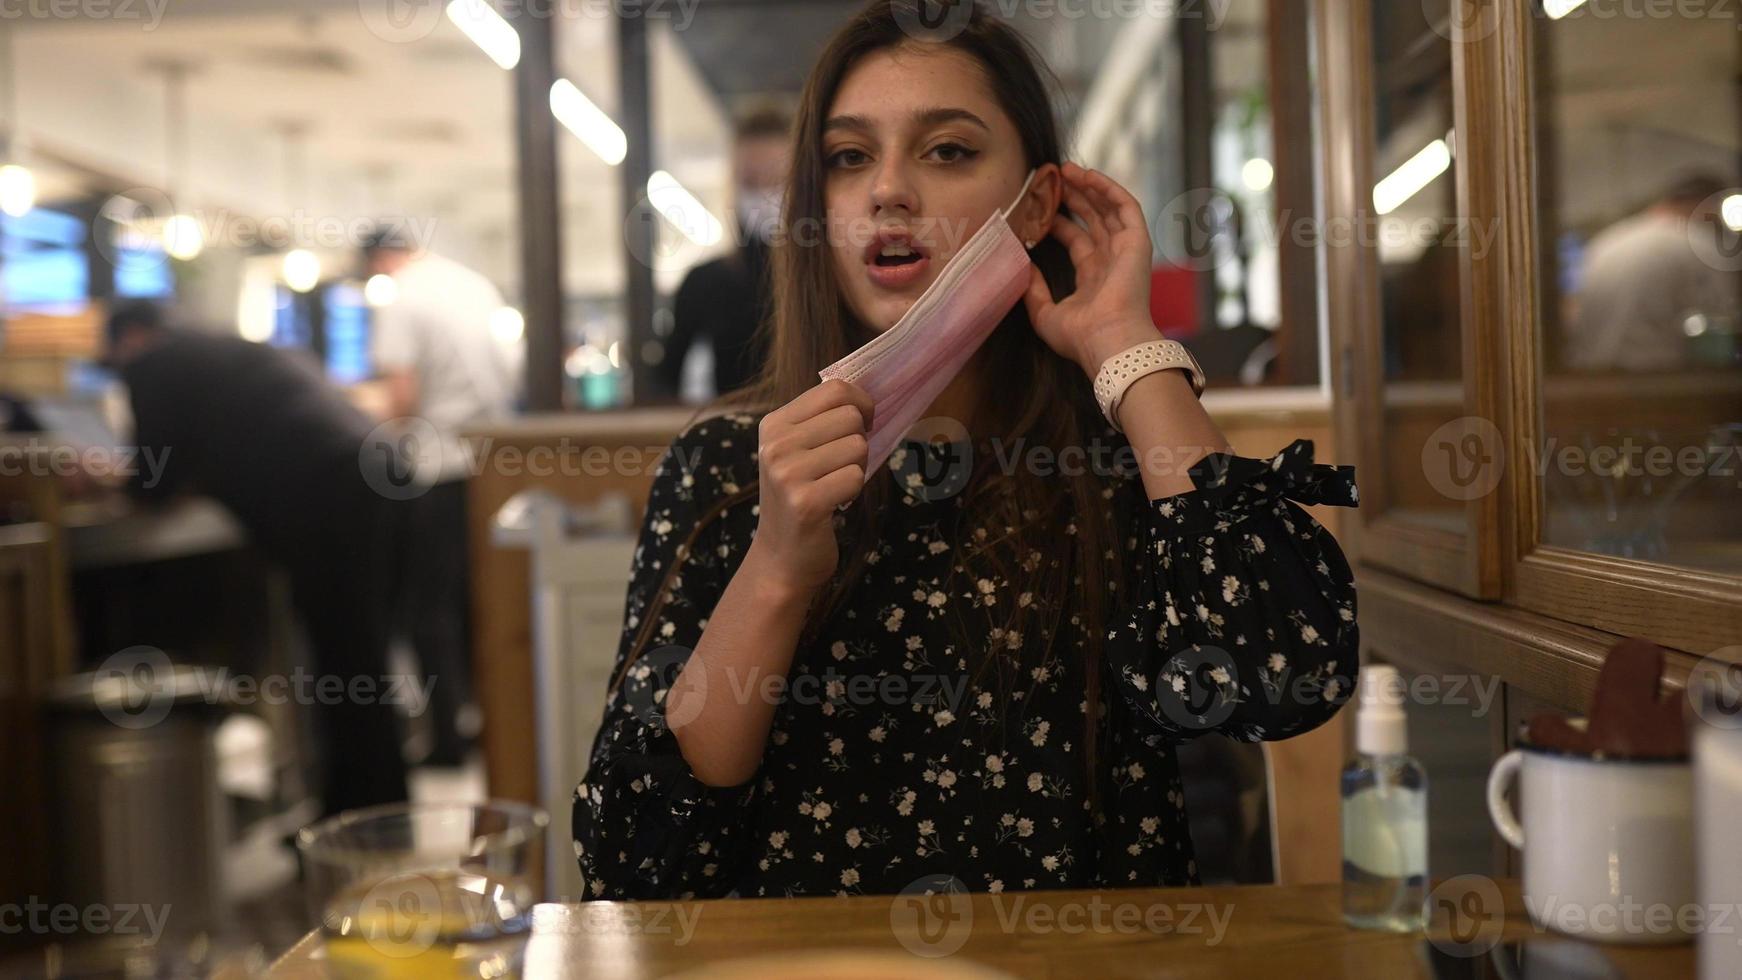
[811, 460]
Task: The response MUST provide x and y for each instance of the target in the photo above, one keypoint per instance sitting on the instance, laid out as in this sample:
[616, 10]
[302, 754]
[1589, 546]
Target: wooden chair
[29, 662]
[36, 648]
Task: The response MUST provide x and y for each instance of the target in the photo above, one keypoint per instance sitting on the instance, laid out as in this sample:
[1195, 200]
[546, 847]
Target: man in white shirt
[1643, 278]
[439, 355]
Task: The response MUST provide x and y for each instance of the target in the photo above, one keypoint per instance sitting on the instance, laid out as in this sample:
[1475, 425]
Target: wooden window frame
[1685, 609]
[1503, 555]
[1467, 562]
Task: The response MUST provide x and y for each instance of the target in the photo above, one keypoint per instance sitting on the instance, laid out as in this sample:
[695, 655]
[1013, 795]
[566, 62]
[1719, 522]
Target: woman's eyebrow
[943, 114]
[934, 116]
[855, 122]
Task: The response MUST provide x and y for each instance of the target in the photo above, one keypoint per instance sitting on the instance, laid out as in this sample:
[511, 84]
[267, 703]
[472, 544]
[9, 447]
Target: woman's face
[917, 155]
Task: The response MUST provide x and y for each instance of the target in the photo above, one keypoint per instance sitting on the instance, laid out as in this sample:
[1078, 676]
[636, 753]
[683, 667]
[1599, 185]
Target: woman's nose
[891, 188]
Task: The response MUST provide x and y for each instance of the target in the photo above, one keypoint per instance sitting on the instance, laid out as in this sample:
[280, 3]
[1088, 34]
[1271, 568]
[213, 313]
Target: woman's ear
[1040, 204]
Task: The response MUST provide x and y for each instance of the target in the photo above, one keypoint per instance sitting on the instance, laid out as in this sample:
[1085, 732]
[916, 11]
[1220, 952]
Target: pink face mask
[906, 367]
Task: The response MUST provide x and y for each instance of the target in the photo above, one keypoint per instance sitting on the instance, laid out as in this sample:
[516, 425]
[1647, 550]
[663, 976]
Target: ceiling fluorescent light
[480, 22]
[1416, 173]
[681, 208]
[587, 121]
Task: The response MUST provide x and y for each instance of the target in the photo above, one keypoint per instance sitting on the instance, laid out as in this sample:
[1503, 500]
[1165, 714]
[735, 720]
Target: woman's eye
[845, 158]
[953, 152]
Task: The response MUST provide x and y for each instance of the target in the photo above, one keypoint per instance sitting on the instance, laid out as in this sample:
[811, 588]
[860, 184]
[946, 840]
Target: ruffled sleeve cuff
[1242, 614]
[1229, 488]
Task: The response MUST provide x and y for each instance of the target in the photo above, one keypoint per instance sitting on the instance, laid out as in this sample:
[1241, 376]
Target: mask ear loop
[1021, 193]
[1027, 243]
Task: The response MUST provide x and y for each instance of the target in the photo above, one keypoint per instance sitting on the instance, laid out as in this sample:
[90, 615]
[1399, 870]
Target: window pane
[1639, 207]
[1416, 236]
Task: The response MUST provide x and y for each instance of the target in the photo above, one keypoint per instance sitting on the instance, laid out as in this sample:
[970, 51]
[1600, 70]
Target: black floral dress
[886, 766]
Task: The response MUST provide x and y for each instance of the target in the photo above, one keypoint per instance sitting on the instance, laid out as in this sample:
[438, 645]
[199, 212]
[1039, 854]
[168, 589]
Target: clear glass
[1385, 843]
[424, 890]
[1418, 237]
[1639, 204]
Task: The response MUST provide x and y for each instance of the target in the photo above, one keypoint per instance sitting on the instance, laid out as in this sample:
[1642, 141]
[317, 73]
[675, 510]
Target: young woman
[828, 685]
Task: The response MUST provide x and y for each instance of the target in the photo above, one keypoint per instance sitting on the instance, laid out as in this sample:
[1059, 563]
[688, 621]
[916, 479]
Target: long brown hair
[1043, 400]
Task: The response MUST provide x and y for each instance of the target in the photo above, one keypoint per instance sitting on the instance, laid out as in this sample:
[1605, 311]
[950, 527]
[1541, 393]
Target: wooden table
[1266, 932]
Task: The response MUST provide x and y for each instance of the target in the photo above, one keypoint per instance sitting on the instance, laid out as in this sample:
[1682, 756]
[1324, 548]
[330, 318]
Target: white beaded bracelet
[1119, 371]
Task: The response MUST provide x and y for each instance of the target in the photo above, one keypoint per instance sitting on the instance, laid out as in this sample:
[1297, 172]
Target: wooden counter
[1262, 932]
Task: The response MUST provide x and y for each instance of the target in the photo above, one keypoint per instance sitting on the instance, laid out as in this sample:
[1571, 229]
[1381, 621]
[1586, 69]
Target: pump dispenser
[1384, 813]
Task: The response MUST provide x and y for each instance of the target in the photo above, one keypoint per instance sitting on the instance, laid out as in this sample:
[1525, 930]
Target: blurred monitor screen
[291, 325]
[43, 266]
[347, 329]
[142, 271]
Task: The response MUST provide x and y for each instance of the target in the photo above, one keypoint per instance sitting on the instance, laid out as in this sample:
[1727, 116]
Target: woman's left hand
[1111, 251]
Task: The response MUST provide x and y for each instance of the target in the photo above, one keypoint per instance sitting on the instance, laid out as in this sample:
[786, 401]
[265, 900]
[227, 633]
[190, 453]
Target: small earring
[1028, 244]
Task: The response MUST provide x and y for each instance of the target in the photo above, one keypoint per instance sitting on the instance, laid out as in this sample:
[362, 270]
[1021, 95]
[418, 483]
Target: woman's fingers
[826, 427]
[839, 487]
[1086, 183]
[1123, 203]
[1039, 296]
[1089, 212]
[822, 398]
[848, 450]
[1094, 201]
[1075, 240]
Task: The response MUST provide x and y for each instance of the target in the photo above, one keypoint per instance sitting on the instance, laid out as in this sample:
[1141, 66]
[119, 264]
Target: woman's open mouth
[892, 261]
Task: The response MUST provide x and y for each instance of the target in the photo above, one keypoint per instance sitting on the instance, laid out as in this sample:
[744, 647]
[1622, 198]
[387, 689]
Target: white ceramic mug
[1608, 843]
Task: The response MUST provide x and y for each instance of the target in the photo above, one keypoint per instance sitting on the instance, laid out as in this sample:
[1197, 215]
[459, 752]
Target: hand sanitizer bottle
[1384, 814]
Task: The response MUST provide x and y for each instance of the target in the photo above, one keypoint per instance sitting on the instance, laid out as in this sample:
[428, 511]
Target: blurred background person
[262, 432]
[724, 300]
[439, 362]
[1643, 277]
